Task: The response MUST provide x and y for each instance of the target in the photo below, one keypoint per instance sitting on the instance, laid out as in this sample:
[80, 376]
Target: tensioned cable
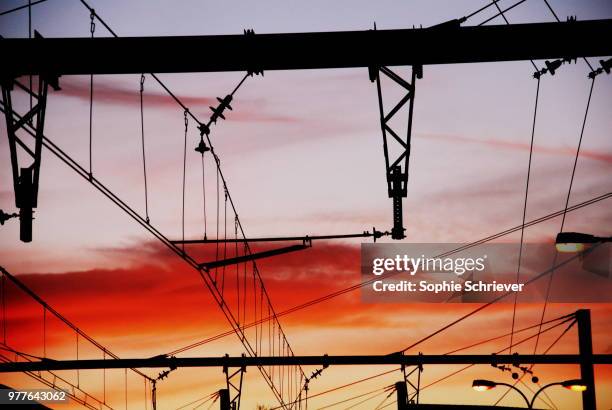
[29, 6]
[564, 319]
[206, 398]
[92, 29]
[518, 269]
[550, 279]
[559, 21]
[531, 367]
[70, 162]
[184, 173]
[204, 195]
[354, 398]
[380, 405]
[454, 373]
[218, 219]
[144, 157]
[365, 283]
[498, 298]
[30, 37]
[501, 13]
[499, 351]
[179, 102]
[7, 275]
[340, 387]
[491, 339]
[361, 401]
[569, 191]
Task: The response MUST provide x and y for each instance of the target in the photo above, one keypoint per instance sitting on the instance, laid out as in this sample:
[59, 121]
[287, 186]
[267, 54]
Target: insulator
[606, 65]
[202, 147]
[552, 66]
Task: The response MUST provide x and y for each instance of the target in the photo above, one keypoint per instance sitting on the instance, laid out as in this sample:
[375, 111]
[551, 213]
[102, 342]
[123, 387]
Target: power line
[502, 296]
[518, 269]
[569, 191]
[204, 274]
[353, 398]
[92, 30]
[217, 113]
[501, 12]
[545, 352]
[563, 319]
[341, 387]
[29, 5]
[367, 282]
[559, 21]
[144, 157]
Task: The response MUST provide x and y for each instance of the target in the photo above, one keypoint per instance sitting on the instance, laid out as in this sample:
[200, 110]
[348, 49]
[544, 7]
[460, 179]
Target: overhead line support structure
[447, 43]
[442, 44]
[355, 360]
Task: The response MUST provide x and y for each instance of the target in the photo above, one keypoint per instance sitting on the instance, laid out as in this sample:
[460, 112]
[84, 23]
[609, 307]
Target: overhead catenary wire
[186, 121]
[555, 341]
[204, 196]
[158, 234]
[454, 373]
[204, 274]
[520, 255]
[550, 279]
[20, 285]
[92, 29]
[559, 21]
[144, 157]
[125, 208]
[24, 6]
[501, 12]
[341, 387]
[495, 300]
[523, 224]
[569, 192]
[367, 282]
[379, 391]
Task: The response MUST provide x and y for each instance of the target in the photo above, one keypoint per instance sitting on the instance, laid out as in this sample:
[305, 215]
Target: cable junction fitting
[218, 111]
[5, 217]
[553, 66]
[605, 67]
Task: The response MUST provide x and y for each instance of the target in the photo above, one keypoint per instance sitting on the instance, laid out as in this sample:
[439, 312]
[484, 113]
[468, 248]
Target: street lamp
[481, 385]
[575, 385]
[575, 241]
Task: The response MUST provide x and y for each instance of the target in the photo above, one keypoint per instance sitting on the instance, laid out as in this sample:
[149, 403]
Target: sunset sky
[302, 154]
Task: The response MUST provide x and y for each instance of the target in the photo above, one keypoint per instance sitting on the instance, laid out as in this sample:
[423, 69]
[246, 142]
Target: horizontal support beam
[366, 234]
[252, 256]
[444, 44]
[394, 359]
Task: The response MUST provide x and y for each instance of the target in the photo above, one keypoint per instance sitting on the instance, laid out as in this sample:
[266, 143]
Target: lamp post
[481, 385]
[575, 385]
[575, 241]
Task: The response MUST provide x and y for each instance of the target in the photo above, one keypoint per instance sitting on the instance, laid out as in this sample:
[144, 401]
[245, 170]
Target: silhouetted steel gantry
[447, 43]
[376, 50]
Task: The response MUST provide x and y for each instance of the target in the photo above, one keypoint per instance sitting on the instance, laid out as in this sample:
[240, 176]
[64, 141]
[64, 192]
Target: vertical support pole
[585, 347]
[402, 395]
[224, 399]
[25, 197]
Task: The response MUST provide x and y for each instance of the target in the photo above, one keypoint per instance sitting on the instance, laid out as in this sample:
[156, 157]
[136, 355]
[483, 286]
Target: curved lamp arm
[520, 392]
[533, 399]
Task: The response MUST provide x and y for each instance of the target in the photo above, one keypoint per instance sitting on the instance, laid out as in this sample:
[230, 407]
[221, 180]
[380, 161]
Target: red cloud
[594, 155]
[164, 296]
[109, 93]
